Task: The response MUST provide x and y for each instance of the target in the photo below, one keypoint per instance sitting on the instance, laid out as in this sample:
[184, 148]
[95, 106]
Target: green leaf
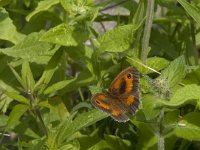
[84, 78]
[117, 143]
[73, 145]
[16, 113]
[66, 35]
[49, 71]
[76, 7]
[193, 77]
[19, 79]
[37, 144]
[189, 127]
[140, 13]
[3, 120]
[31, 50]
[175, 72]
[82, 121]
[161, 43]
[42, 6]
[18, 97]
[4, 2]
[171, 118]
[80, 10]
[101, 145]
[146, 138]
[150, 108]
[193, 11]
[187, 94]
[57, 106]
[197, 36]
[4, 103]
[27, 77]
[156, 63]
[8, 30]
[118, 39]
[57, 86]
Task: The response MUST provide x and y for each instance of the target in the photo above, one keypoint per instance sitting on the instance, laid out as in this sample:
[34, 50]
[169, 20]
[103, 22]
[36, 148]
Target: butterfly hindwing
[107, 104]
[131, 103]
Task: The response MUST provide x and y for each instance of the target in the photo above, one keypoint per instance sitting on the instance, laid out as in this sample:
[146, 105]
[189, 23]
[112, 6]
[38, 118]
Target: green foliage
[56, 54]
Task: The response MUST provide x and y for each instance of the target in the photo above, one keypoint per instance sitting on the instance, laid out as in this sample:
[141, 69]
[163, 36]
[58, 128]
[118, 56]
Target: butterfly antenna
[5, 134]
[144, 65]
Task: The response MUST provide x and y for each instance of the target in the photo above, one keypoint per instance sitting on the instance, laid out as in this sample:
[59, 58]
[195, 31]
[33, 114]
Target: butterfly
[122, 97]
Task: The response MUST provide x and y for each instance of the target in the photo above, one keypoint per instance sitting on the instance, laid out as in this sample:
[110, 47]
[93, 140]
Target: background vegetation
[55, 54]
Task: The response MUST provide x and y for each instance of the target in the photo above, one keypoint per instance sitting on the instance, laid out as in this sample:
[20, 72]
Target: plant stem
[161, 140]
[81, 94]
[42, 122]
[147, 31]
[195, 51]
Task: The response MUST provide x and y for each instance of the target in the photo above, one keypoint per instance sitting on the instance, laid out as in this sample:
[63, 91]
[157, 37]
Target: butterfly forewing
[127, 82]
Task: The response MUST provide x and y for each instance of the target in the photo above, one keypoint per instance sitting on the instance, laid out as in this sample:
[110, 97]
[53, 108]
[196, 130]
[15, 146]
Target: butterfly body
[122, 97]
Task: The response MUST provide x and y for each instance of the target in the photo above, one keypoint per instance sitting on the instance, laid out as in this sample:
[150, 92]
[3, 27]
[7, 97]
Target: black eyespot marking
[129, 76]
[123, 86]
[98, 102]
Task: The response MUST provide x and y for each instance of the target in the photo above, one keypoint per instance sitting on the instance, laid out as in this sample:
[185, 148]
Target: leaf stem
[147, 31]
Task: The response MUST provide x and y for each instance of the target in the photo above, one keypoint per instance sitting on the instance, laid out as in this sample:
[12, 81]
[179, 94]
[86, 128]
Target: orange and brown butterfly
[122, 96]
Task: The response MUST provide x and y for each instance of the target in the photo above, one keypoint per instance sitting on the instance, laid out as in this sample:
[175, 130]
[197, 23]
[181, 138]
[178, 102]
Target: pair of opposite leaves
[122, 96]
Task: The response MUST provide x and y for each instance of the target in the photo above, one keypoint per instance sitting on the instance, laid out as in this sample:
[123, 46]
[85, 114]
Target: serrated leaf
[42, 6]
[192, 10]
[189, 127]
[118, 39]
[27, 77]
[66, 35]
[16, 113]
[31, 49]
[187, 94]
[18, 97]
[8, 30]
[175, 72]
